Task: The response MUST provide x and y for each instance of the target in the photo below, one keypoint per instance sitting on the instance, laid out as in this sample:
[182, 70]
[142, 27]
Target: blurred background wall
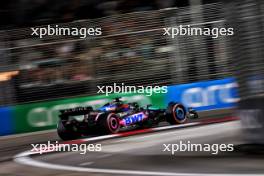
[132, 50]
[40, 76]
[248, 62]
[15, 13]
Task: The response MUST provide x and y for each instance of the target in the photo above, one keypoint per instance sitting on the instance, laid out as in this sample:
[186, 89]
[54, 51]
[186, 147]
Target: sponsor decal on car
[133, 118]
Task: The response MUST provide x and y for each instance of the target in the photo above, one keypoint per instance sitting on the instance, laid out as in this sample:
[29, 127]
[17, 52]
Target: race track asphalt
[144, 154]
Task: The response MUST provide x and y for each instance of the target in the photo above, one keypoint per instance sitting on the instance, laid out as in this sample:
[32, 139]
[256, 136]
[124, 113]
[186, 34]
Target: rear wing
[75, 111]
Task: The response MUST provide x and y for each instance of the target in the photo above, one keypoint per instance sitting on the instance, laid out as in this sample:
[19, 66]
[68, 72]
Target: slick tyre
[66, 134]
[108, 124]
[176, 114]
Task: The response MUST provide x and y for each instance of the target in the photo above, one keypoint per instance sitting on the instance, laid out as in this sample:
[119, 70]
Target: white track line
[86, 163]
[100, 138]
[24, 159]
[93, 139]
[31, 162]
[176, 126]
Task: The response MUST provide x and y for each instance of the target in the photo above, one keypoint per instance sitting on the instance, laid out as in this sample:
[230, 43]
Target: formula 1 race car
[113, 116]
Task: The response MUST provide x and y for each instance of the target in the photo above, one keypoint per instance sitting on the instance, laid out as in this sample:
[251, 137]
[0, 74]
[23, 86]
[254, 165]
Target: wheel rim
[180, 113]
[113, 123]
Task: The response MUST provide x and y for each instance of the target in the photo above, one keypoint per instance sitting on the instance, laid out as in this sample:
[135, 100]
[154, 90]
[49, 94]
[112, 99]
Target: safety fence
[131, 50]
[248, 60]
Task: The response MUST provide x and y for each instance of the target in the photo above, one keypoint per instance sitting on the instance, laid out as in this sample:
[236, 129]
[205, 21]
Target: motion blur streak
[38, 77]
[142, 144]
[31, 162]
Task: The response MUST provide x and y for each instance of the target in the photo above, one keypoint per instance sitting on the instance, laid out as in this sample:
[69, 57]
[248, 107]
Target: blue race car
[113, 116]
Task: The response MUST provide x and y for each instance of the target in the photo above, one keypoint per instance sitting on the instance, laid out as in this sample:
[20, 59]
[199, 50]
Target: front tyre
[108, 124]
[65, 133]
[176, 114]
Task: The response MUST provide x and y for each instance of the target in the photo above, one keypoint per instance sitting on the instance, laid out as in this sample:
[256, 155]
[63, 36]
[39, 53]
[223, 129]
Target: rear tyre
[176, 113]
[65, 133]
[108, 124]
